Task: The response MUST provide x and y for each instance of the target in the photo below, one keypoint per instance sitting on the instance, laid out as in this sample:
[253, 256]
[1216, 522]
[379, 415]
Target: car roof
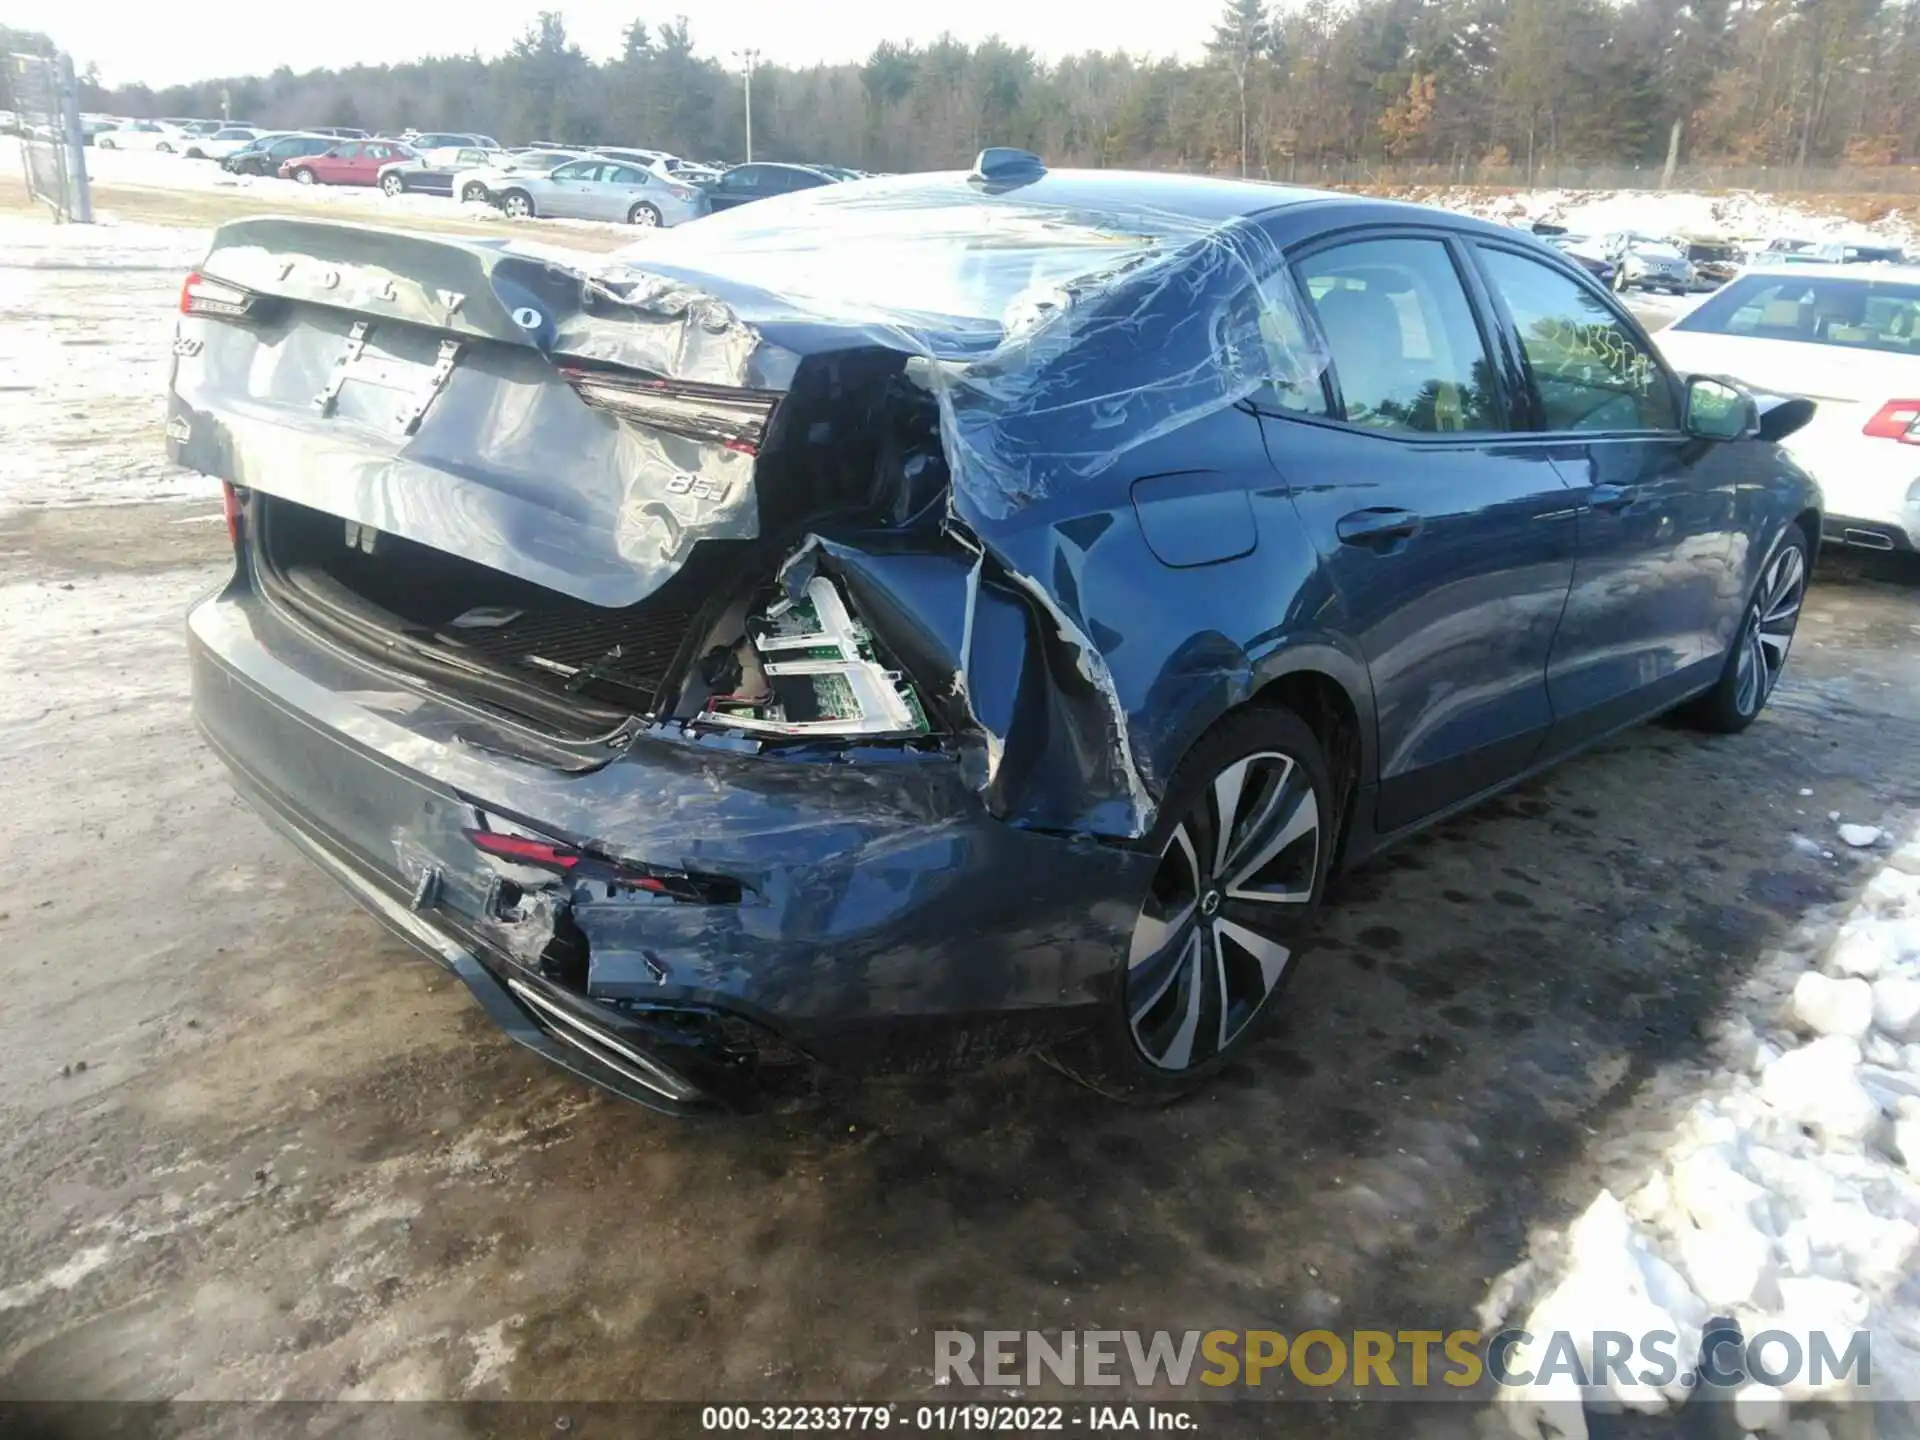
[1196, 197]
[1208, 200]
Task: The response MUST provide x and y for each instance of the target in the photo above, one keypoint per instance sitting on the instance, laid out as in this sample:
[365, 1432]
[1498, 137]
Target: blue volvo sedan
[938, 616]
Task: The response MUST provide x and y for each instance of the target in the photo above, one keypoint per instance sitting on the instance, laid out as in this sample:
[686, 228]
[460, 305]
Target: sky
[172, 44]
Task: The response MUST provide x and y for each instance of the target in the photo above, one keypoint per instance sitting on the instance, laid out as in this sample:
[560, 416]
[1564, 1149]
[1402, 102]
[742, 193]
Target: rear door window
[1589, 370]
[1406, 353]
[1261, 337]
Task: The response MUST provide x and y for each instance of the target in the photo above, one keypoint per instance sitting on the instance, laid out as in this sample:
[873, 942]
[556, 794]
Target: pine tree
[1241, 39]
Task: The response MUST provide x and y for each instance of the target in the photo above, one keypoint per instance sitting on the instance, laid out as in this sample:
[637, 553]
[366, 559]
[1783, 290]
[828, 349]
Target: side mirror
[1720, 410]
[1782, 415]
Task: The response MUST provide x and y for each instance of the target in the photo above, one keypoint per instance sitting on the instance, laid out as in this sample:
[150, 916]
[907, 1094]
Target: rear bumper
[885, 920]
[615, 1055]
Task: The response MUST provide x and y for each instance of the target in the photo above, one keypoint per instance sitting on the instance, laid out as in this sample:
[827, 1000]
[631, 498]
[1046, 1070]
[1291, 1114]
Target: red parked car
[351, 162]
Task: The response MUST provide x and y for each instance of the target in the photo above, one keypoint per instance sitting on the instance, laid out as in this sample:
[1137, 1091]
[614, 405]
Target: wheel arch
[1809, 522]
[1330, 691]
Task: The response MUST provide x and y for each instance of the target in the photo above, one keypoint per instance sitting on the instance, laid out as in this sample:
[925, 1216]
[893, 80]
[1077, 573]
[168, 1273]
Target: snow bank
[1787, 1198]
[1737, 214]
[83, 361]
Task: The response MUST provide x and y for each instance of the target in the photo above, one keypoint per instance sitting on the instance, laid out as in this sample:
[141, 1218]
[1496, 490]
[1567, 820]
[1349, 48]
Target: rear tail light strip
[233, 503]
[518, 847]
[1896, 420]
[204, 295]
[737, 419]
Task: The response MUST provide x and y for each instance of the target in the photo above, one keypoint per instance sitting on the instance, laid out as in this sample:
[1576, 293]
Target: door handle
[1612, 497]
[1379, 528]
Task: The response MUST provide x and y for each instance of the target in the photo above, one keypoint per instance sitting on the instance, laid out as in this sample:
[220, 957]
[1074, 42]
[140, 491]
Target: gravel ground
[250, 1147]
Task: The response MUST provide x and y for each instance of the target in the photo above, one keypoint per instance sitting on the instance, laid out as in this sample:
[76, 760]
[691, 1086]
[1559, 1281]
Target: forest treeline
[1470, 85]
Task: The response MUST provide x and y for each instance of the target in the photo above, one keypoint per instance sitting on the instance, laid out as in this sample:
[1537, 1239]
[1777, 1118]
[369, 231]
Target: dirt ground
[252, 1148]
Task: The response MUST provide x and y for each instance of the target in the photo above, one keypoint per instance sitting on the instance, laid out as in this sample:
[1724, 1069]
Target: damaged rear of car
[709, 652]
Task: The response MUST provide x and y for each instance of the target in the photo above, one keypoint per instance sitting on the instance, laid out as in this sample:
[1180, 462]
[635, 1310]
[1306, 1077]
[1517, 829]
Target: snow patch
[492, 1353]
[62, 1277]
[1737, 214]
[1786, 1198]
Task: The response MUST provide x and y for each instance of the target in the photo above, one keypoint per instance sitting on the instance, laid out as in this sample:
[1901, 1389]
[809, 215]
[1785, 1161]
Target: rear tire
[391, 185]
[518, 204]
[474, 193]
[304, 175]
[1219, 928]
[105, 144]
[1759, 652]
[163, 148]
[645, 216]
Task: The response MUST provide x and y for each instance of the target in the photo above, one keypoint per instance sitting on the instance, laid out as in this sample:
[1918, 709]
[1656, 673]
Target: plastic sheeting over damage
[1060, 325]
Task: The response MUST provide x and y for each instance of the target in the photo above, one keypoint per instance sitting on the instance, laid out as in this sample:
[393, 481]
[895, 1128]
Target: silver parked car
[500, 168]
[1650, 263]
[593, 188]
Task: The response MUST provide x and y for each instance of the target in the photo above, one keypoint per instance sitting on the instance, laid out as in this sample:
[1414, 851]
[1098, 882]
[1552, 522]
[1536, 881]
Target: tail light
[232, 505]
[515, 846]
[1896, 420]
[525, 850]
[203, 295]
[737, 419]
[681, 192]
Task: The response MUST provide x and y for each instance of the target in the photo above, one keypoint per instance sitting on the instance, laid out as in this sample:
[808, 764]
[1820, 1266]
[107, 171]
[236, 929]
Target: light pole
[747, 59]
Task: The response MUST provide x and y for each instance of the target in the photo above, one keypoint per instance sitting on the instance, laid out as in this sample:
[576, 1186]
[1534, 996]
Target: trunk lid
[498, 403]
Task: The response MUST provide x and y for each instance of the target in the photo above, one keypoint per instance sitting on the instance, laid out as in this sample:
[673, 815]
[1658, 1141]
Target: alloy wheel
[518, 206]
[1227, 903]
[473, 193]
[1768, 631]
[305, 177]
[391, 185]
[645, 216]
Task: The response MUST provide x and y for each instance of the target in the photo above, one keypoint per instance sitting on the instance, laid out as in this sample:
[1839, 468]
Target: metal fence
[47, 103]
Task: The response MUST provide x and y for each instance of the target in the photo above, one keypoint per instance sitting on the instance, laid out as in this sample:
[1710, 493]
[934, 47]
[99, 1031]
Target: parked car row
[1687, 263]
[648, 188]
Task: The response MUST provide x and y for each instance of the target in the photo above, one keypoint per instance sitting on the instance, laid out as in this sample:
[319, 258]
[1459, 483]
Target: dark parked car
[759, 182]
[265, 155]
[1586, 254]
[403, 176]
[1714, 261]
[826, 637]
